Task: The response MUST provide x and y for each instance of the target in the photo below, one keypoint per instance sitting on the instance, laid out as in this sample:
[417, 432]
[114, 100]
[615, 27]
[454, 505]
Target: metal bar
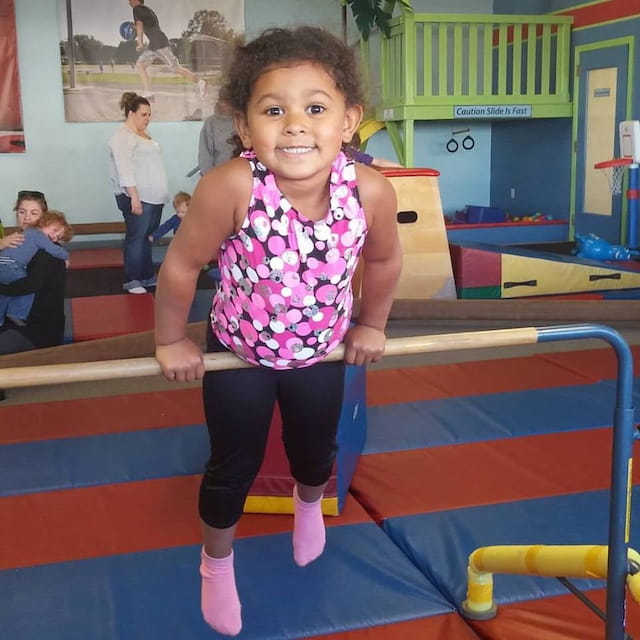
[622, 454]
[586, 601]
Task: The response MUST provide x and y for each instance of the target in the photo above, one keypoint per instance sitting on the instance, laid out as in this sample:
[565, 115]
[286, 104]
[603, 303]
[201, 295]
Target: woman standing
[45, 278]
[140, 186]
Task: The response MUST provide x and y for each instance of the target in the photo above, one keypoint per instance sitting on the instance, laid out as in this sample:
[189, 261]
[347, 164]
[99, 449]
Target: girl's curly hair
[276, 48]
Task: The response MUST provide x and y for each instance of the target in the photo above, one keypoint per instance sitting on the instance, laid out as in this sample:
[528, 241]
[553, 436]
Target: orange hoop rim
[614, 162]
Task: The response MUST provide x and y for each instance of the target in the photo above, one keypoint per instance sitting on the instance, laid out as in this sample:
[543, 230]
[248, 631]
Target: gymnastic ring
[452, 145]
[468, 143]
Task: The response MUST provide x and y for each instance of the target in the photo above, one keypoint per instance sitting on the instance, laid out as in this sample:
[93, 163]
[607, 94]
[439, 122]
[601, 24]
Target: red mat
[388, 386]
[557, 618]
[106, 316]
[479, 473]
[128, 517]
[95, 258]
[97, 416]
[599, 364]
[444, 627]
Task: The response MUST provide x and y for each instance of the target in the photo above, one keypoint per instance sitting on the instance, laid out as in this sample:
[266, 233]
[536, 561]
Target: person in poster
[147, 24]
[186, 45]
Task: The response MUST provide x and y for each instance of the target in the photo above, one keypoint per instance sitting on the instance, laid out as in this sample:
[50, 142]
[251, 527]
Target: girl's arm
[217, 209]
[164, 228]
[382, 259]
[53, 249]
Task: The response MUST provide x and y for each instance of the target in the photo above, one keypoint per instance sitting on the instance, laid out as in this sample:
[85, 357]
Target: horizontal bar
[143, 367]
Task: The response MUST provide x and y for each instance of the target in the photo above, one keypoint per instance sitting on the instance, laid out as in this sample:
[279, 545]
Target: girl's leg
[219, 600]
[310, 402]
[19, 307]
[238, 408]
[4, 304]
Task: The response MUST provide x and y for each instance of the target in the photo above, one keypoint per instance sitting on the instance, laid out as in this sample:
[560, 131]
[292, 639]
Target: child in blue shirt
[181, 204]
[51, 228]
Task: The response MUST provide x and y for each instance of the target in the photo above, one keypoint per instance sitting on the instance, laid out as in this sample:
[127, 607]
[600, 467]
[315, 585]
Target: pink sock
[220, 602]
[308, 530]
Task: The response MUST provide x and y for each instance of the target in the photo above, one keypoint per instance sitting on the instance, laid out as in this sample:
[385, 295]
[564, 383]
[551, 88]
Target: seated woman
[45, 279]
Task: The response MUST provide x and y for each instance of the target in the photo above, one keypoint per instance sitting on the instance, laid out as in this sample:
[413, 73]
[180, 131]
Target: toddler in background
[51, 228]
[180, 204]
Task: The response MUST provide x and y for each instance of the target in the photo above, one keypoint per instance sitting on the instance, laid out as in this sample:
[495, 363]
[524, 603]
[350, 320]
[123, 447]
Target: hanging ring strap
[452, 145]
[468, 143]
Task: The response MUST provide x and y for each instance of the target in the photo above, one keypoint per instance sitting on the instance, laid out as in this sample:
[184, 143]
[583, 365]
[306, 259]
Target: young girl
[287, 221]
[51, 228]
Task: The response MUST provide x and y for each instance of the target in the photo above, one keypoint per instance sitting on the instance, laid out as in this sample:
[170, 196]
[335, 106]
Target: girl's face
[28, 213]
[54, 231]
[296, 121]
[140, 118]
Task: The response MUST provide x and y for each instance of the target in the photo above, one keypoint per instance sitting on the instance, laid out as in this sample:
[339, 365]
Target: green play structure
[467, 66]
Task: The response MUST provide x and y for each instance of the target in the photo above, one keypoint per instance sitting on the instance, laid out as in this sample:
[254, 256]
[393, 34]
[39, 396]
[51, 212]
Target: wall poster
[171, 52]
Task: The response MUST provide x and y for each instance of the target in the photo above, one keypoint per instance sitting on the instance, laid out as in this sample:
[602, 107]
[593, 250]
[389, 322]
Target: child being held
[181, 204]
[50, 229]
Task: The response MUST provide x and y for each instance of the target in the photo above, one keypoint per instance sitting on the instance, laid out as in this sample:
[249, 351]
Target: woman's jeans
[138, 263]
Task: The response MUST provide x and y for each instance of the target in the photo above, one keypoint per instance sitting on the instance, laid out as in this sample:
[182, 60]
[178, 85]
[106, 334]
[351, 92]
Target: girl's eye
[274, 111]
[316, 108]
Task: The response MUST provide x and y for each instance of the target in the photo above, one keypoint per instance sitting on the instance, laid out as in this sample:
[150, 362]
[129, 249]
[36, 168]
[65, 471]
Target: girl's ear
[242, 129]
[352, 120]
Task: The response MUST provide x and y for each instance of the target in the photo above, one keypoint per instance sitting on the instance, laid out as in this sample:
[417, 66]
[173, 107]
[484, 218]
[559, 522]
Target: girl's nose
[295, 124]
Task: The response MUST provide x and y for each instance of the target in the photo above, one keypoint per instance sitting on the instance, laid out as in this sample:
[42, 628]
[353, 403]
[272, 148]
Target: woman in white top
[140, 186]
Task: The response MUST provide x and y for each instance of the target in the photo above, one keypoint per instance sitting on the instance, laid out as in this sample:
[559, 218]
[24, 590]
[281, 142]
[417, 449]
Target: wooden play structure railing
[439, 66]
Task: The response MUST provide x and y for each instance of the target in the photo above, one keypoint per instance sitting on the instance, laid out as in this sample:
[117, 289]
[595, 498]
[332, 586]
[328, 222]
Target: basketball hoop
[614, 169]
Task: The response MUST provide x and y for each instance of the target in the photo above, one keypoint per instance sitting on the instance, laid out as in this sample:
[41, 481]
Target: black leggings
[239, 406]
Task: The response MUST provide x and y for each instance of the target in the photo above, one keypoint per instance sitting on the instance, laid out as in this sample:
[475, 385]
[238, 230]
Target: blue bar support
[622, 454]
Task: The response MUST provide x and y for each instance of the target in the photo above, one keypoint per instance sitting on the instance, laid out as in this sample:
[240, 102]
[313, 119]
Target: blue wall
[535, 157]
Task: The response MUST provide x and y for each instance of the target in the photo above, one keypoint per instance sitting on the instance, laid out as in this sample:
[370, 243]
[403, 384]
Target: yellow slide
[369, 127]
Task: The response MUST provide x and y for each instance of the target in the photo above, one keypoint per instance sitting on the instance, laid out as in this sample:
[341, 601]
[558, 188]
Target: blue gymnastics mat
[362, 580]
[440, 543]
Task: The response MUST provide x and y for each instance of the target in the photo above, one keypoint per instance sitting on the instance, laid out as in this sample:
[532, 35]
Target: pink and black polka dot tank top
[285, 298]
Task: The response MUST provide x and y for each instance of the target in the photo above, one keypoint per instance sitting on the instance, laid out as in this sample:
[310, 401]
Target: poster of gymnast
[175, 59]
[11, 133]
